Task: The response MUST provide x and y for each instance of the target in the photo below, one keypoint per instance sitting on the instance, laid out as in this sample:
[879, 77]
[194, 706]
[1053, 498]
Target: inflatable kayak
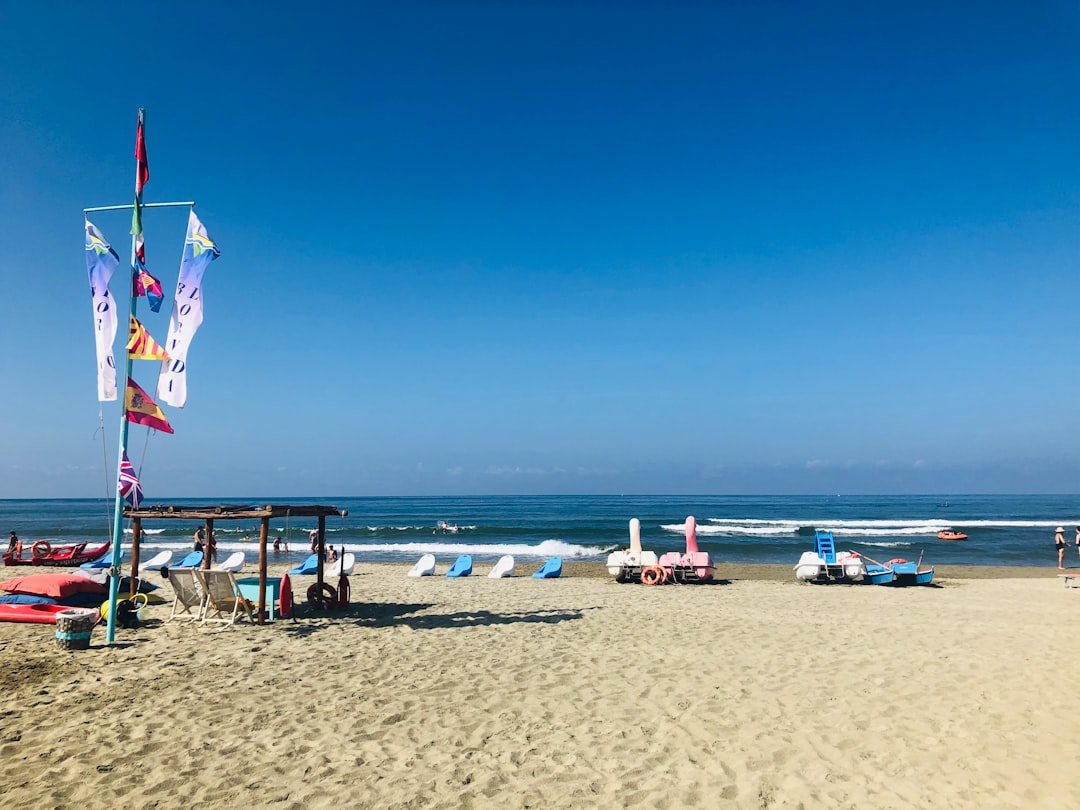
[951, 536]
[37, 613]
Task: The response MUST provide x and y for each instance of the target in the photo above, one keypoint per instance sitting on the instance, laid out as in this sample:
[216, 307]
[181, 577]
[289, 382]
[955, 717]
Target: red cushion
[57, 586]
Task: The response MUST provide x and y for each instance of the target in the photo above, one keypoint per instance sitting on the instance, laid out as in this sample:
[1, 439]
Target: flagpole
[118, 512]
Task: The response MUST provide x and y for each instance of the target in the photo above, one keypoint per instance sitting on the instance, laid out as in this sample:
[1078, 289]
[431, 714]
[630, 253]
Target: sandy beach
[754, 692]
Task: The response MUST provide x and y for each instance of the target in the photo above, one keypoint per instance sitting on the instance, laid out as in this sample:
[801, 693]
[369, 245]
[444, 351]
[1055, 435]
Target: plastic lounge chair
[462, 567]
[104, 562]
[188, 595]
[308, 566]
[234, 563]
[192, 560]
[424, 567]
[503, 568]
[224, 603]
[344, 564]
[157, 561]
[549, 570]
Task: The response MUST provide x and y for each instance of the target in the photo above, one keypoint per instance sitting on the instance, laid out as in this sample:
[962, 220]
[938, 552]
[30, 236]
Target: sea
[1001, 529]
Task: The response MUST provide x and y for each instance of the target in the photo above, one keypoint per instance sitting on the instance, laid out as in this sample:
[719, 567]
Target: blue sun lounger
[192, 560]
[308, 566]
[462, 567]
[549, 570]
[104, 562]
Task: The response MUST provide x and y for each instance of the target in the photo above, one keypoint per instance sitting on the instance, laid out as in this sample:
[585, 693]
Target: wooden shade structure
[210, 514]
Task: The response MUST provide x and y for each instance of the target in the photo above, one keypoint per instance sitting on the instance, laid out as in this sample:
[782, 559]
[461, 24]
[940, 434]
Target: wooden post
[264, 531]
[136, 539]
[322, 548]
[206, 544]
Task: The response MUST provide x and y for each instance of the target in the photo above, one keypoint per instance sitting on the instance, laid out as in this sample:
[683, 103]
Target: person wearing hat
[1059, 541]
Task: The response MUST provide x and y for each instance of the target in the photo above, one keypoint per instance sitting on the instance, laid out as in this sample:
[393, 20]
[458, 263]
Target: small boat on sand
[950, 535]
[41, 553]
[36, 613]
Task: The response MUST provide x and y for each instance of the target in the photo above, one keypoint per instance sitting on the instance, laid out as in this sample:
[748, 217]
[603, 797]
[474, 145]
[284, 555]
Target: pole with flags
[136, 405]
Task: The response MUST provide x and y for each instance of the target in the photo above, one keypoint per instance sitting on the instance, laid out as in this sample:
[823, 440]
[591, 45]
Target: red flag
[140, 156]
[144, 411]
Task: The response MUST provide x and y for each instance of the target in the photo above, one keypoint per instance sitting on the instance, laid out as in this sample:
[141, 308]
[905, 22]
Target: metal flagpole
[118, 513]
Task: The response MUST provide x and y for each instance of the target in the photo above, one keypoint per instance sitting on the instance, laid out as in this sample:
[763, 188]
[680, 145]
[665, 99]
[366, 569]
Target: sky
[554, 247]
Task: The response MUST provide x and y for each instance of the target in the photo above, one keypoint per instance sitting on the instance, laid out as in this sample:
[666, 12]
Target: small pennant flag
[145, 284]
[136, 217]
[141, 346]
[128, 484]
[140, 156]
[144, 411]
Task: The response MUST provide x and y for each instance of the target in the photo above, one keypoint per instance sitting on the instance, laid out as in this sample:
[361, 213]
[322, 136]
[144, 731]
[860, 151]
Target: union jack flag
[128, 483]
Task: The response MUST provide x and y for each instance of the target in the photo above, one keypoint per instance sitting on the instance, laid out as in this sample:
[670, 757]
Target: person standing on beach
[1059, 541]
[199, 539]
[1078, 539]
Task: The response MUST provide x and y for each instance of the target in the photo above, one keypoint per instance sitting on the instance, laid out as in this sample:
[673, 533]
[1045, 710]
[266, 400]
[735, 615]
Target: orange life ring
[666, 574]
[322, 597]
[40, 549]
[889, 564]
[652, 575]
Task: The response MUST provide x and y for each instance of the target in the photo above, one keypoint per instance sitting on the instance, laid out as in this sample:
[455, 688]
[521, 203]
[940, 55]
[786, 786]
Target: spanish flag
[144, 411]
[141, 346]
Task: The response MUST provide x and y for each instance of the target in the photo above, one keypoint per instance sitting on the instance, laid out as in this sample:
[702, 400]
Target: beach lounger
[188, 599]
[308, 566]
[192, 560]
[1071, 579]
[503, 568]
[343, 565]
[234, 563]
[549, 570]
[224, 603]
[462, 567]
[104, 562]
[157, 561]
[425, 567]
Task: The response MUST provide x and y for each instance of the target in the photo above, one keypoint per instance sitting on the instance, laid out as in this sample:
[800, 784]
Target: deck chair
[188, 598]
[549, 570]
[462, 567]
[308, 566]
[234, 563]
[503, 568]
[343, 565]
[424, 567]
[224, 603]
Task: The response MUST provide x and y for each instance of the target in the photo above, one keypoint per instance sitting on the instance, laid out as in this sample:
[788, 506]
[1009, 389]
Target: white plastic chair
[503, 568]
[425, 567]
[234, 563]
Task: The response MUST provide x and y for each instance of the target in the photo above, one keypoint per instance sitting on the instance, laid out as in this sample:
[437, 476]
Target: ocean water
[1001, 529]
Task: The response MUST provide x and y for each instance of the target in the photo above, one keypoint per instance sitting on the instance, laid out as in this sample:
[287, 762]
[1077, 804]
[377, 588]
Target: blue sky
[487, 248]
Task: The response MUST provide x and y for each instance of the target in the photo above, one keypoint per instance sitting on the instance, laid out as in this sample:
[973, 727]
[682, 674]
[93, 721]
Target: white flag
[101, 261]
[187, 312]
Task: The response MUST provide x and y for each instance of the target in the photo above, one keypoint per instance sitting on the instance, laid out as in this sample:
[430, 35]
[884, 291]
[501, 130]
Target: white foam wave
[548, 548]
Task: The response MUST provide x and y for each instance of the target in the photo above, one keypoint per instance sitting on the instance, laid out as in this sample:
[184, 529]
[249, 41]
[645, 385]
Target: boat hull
[63, 557]
[36, 613]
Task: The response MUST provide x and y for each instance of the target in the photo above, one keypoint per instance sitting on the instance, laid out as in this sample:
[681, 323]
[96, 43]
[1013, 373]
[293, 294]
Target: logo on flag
[128, 483]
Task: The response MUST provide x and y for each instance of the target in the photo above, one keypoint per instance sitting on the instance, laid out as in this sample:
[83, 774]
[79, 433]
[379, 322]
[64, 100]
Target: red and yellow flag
[144, 411]
[141, 346]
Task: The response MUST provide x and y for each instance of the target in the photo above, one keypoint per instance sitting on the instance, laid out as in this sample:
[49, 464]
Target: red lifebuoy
[890, 563]
[666, 574]
[322, 597]
[652, 575]
[40, 549]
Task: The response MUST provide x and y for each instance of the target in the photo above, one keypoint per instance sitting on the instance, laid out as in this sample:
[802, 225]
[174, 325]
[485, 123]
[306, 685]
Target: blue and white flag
[187, 312]
[128, 483]
[101, 261]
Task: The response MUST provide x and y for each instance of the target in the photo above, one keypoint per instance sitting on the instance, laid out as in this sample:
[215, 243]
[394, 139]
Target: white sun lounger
[425, 567]
[503, 568]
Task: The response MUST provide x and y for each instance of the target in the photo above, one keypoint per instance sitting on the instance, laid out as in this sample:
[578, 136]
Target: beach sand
[576, 692]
